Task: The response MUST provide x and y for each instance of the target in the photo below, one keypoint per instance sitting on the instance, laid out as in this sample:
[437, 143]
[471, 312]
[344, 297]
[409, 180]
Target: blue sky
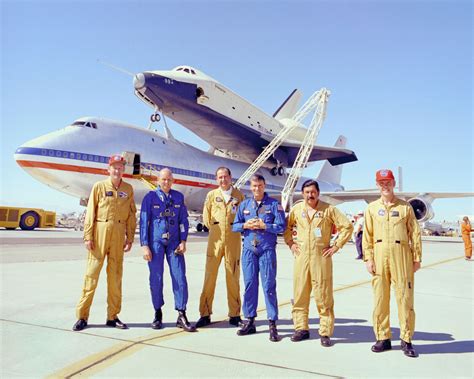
[400, 73]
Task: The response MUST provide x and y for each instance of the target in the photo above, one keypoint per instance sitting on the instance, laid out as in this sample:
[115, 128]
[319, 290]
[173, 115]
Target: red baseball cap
[116, 158]
[384, 174]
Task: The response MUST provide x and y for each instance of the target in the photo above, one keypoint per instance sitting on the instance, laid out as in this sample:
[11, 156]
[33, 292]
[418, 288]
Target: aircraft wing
[371, 195]
[335, 155]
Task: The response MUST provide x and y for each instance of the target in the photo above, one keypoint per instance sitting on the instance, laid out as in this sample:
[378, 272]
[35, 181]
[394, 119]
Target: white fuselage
[72, 159]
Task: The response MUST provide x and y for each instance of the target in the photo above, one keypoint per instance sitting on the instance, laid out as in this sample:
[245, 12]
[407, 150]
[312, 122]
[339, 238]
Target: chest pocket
[156, 210]
[107, 198]
[399, 225]
[268, 216]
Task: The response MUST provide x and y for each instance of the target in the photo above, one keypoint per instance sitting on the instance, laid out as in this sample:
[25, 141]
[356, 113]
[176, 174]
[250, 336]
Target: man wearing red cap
[392, 252]
[109, 230]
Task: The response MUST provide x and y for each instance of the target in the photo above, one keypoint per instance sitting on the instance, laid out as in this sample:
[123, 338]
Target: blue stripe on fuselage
[86, 157]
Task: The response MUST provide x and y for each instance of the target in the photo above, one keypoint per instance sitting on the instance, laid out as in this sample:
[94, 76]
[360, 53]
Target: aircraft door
[132, 166]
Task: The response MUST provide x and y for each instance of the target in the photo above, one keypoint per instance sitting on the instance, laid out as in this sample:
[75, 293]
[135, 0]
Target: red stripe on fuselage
[101, 171]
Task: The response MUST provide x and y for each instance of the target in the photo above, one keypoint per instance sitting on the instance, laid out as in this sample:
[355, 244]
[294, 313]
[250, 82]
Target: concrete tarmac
[41, 280]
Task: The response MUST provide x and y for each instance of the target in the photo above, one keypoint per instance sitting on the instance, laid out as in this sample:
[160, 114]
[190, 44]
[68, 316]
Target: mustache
[311, 198]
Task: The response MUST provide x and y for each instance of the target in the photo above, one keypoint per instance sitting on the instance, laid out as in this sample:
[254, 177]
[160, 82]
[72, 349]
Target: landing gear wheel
[155, 117]
[199, 227]
[205, 229]
[274, 171]
[281, 170]
[29, 220]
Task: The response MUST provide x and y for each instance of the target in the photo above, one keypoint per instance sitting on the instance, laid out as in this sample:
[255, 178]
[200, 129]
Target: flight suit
[110, 221]
[392, 239]
[312, 271]
[223, 242]
[163, 225]
[466, 236]
[259, 255]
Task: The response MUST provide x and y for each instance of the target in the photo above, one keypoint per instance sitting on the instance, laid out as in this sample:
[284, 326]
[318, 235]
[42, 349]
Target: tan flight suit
[392, 239]
[313, 272]
[110, 218]
[466, 237]
[223, 242]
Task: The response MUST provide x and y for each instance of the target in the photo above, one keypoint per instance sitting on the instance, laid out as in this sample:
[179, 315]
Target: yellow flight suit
[313, 272]
[110, 218]
[218, 216]
[392, 239]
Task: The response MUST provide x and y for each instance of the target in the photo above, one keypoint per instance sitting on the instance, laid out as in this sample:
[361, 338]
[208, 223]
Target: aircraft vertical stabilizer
[289, 106]
[330, 173]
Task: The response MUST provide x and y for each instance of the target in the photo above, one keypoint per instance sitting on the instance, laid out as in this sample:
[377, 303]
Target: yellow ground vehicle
[26, 218]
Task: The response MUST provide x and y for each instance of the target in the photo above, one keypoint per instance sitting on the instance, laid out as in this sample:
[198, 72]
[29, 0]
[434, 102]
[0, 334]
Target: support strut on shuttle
[317, 102]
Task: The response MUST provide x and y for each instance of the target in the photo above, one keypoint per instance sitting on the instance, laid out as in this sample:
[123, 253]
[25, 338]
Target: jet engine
[422, 207]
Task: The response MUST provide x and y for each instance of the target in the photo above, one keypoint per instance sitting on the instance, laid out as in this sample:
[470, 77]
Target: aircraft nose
[139, 81]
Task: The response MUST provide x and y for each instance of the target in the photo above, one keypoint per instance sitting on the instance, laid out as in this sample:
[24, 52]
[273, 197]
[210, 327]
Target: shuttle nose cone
[139, 81]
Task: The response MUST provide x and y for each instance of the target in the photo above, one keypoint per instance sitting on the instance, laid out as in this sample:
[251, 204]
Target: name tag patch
[246, 212]
[109, 193]
[395, 214]
[123, 194]
[219, 199]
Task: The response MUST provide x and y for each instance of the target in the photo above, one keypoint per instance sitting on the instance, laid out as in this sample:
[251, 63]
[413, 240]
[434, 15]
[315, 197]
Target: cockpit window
[86, 124]
[187, 69]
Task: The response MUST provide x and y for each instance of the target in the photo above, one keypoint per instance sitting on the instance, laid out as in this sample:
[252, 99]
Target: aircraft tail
[289, 106]
[330, 173]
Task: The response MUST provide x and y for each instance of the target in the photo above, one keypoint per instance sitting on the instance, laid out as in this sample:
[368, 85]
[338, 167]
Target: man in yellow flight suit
[392, 252]
[219, 212]
[109, 231]
[308, 234]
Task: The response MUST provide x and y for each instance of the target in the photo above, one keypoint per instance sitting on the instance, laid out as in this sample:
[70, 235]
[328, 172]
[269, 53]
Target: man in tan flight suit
[109, 231]
[392, 252]
[308, 234]
[219, 212]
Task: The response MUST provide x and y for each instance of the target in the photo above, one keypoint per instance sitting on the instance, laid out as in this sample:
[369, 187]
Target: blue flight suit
[163, 225]
[259, 253]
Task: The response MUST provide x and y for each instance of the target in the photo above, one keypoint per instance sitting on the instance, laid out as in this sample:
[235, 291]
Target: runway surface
[41, 279]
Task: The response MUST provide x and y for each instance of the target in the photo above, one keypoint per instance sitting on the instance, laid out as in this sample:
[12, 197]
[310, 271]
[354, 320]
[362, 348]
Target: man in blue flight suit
[163, 232]
[259, 219]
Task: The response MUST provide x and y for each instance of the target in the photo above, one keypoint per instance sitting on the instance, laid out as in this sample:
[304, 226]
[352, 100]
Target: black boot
[157, 321]
[274, 337]
[235, 321]
[203, 321]
[408, 349]
[247, 328]
[381, 345]
[183, 323]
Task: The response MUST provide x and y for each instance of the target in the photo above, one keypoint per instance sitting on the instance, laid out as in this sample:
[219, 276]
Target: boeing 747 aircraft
[72, 159]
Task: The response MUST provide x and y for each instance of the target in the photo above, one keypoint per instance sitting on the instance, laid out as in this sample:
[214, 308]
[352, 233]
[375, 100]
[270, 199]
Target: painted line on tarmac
[99, 361]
